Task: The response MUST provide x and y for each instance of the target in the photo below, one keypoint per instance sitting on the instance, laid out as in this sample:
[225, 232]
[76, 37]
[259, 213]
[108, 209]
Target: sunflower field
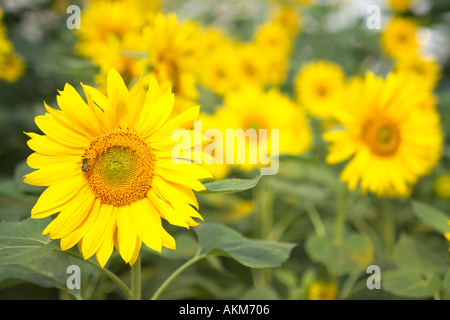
[224, 150]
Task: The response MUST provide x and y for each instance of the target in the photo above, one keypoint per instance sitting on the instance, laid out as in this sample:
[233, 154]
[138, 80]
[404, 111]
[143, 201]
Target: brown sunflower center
[382, 136]
[322, 90]
[119, 168]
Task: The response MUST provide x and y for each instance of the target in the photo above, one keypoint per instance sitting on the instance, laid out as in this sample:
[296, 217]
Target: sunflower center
[119, 168]
[382, 137]
[322, 90]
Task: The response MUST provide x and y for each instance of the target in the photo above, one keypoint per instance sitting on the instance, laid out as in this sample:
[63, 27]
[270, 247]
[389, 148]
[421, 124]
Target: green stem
[264, 203]
[136, 279]
[348, 285]
[388, 227]
[314, 216]
[106, 272]
[340, 216]
[180, 269]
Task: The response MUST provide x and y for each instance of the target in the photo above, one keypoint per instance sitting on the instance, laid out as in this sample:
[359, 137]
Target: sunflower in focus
[388, 137]
[399, 39]
[109, 172]
[319, 86]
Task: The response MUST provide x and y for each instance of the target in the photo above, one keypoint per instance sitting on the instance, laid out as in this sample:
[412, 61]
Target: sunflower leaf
[216, 239]
[353, 254]
[411, 283]
[23, 242]
[230, 185]
[48, 271]
[433, 217]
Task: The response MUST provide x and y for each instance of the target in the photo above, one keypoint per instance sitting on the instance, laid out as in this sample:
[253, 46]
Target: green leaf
[433, 217]
[48, 271]
[411, 283]
[216, 239]
[410, 253]
[353, 254]
[22, 242]
[229, 185]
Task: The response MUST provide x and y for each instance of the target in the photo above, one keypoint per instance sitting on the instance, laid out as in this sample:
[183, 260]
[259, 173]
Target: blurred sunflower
[253, 108]
[400, 5]
[107, 164]
[399, 39]
[426, 70]
[390, 139]
[119, 18]
[174, 53]
[287, 17]
[275, 44]
[219, 71]
[251, 65]
[218, 168]
[319, 290]
[12, 65]
[124, 55]
[442, 186]
[319, 86]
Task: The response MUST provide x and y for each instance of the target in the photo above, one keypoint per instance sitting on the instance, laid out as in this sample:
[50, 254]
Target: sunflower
[251, 107]
[399, 39]
[442, 186]
[218, 71]
[288, 18]
[400, 5]
[12, 65]
[389, 137]
[251, 65]
[119, 18]
[174, 54]
[109, 172]
[275, 44]
[320, 290]
[319, 86]
[426, 70]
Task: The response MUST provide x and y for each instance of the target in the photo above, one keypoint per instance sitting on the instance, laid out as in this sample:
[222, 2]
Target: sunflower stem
[180, 269]
[264, 205]
[136, 280]
[340, 216]
[388, 226]
[105, 271]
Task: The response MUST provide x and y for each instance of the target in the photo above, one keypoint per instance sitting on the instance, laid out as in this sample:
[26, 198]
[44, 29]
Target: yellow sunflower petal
[55, 196]
[147, 222]
[126, 233]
